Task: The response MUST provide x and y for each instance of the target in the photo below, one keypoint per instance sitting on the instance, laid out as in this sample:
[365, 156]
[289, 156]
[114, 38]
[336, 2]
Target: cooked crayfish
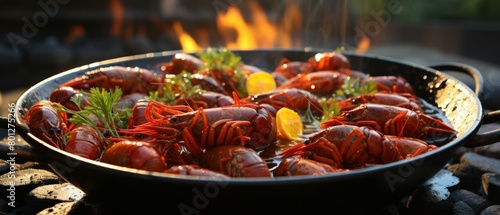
[330, 61]
[235, 161]
[293, 98]
[296, 165]
[46, 122]
[247, 125]
[346, 147]
[129, 101]
[404, 100]
[410, 147]
[180, 62]
[321, 84]
[84, 141]
[134, 154]
[195, 170]
[138, 117]
[206, 100]
[66, 96]
[290, 69]
[398, 121]
[206, 83]
[129, 79]
[395, 84]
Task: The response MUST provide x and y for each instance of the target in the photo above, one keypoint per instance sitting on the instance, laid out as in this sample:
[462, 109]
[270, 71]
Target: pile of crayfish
[192, 115]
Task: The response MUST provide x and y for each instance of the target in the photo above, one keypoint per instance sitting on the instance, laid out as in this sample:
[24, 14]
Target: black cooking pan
[131, 190]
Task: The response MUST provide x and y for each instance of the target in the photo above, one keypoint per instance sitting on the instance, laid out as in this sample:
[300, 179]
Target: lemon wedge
[289, 124]
[260, 82]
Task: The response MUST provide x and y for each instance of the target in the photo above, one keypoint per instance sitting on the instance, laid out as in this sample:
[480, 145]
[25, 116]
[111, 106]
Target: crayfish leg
[191, 143]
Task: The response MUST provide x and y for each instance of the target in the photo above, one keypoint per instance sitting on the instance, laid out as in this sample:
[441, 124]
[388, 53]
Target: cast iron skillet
[134, 190]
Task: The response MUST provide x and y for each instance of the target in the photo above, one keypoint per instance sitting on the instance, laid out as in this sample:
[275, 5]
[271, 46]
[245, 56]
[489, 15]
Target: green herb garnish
[183, 85]
[219, 58]
[224, 61]
[309, 117]
[103, 106]
[176, 87]
[331, 108]
[355, 87]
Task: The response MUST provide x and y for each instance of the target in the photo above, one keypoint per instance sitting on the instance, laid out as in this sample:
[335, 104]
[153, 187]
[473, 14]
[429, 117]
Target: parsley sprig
[103, 106]
[224, 61]
[221, 58]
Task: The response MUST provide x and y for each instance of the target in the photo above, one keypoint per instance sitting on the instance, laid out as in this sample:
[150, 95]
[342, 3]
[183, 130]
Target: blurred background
[41, 38]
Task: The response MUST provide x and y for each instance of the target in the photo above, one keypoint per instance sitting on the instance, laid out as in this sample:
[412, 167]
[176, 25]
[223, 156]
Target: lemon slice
[289, 124]
[260, 82]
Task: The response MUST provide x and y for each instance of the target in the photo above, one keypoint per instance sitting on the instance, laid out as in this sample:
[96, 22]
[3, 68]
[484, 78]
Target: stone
[48, 195]
[483, 163]
[17, 184]
[457, 154]
[491, 210]
[62, 208]
[492, 150]
[476, 202]
[433, 196]
[491, 187]
[5, 166]
[470, 176]
[461, 208]
[83, 206]
[4, 207]
[429, 199]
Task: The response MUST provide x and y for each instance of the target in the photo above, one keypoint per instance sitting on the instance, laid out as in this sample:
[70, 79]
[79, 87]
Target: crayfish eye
[53, 131]
[174, 120]
[348, 116]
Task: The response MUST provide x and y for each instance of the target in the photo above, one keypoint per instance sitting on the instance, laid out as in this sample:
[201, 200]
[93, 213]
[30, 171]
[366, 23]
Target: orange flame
[187, 42]
[233, 20]
[363, 45]
[260, 32]
[117, 11]
[257, 32]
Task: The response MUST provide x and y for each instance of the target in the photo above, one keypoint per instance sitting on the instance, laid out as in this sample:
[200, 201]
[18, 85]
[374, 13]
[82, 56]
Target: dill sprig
[309, 117]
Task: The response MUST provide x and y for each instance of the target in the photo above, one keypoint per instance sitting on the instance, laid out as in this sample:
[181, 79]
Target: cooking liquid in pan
[270, 153]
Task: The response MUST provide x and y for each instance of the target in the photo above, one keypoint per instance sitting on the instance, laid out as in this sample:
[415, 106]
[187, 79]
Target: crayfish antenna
[331, 122]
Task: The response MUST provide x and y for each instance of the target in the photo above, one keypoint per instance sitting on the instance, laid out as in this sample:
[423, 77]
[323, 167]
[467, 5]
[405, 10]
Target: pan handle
[22, 153]
[488, 137]
[464, 68]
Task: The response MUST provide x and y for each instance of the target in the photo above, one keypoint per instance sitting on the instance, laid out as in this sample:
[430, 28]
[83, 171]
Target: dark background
[68, 33]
